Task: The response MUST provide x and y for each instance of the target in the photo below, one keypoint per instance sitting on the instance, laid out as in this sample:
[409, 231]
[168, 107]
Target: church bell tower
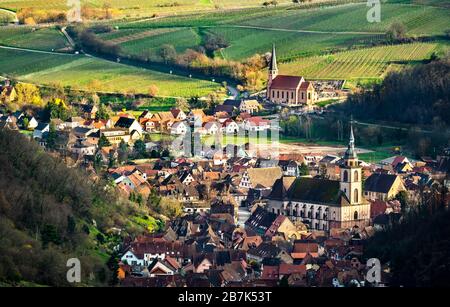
[273, 67]
[351, 181]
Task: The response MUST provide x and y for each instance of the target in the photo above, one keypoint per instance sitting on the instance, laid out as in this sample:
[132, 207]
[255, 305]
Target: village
[297, 219]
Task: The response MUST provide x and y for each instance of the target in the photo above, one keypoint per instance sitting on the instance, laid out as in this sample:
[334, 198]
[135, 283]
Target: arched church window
[356, 194]
[355, 176]
[345, 176]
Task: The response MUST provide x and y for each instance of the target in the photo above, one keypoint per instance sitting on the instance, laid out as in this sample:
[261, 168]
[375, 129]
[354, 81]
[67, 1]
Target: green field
[419, 20]
[138, 8]
[328, 42]
[5, 18]
[246, 42]
[26, 37]
[150, 46]
[361, 63]
[297, 33]
[81, 72]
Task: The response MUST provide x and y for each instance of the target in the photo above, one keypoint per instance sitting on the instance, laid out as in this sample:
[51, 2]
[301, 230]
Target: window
[309, 95]
[345, 179]
[355, 195]
[303, 95]
[355, 176]
[282, 95]
[292, 95]
[355, 215]
[278, 94]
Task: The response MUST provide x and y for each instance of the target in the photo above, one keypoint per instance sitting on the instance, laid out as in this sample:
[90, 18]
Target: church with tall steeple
[288, 90]
[324, 204]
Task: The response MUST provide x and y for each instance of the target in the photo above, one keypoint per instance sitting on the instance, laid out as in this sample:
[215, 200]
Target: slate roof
[380, 183]
[265, 250]
[224, 108]
[260, 220]
[41, 126]
[232, 102]
[311, 190]
[124, 122]
[281, 187]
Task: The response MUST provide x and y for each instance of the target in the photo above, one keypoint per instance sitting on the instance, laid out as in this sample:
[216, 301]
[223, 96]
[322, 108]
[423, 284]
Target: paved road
[294, 30]
[390, 127]
[35, 51]
[69, 39]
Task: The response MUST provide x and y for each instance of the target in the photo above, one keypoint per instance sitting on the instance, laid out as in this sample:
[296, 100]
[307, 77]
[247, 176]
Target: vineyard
[361, 63]
[246, 42]
[138, 8]
[26, 37]
[181, 39]
[419, 20]
[95, 74]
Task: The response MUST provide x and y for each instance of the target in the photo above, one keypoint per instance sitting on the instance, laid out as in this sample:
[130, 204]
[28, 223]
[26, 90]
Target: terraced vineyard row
[181, 39]
[246, 42]
[420, 20]
[81, 72]
[362, 63]
[140, 35]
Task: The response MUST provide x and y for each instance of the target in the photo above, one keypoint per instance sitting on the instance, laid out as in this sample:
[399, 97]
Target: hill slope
[50, 213]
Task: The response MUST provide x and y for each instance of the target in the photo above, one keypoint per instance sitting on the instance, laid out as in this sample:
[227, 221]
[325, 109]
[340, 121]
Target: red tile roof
[304, 86]
[286, 82]
[287, 269]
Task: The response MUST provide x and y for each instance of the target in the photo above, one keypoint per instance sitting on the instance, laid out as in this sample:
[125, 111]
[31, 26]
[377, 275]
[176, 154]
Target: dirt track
[298, 148]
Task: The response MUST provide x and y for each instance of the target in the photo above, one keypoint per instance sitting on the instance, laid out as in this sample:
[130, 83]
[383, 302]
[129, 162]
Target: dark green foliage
[139, 149]
[41, 203]
[103, 142]
[418, 96]
[102, 112]
[418, 249]
[304, 171]
[51, 137]
[88, 41]
[50, 234]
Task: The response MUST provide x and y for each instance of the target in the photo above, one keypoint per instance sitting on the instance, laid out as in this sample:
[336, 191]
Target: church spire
[273, 61]
[350, 153]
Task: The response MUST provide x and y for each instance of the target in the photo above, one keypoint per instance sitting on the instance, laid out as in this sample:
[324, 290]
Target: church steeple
[351, 178]
[350, 153]
[273, 61]
[273, 67]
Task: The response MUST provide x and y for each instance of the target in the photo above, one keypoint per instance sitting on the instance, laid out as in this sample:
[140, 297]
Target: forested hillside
[50, 213]
[418, 249]
[416, 96]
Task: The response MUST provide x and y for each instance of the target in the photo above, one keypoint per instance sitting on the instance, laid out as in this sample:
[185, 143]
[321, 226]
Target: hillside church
[288, 90]
[324, 204]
